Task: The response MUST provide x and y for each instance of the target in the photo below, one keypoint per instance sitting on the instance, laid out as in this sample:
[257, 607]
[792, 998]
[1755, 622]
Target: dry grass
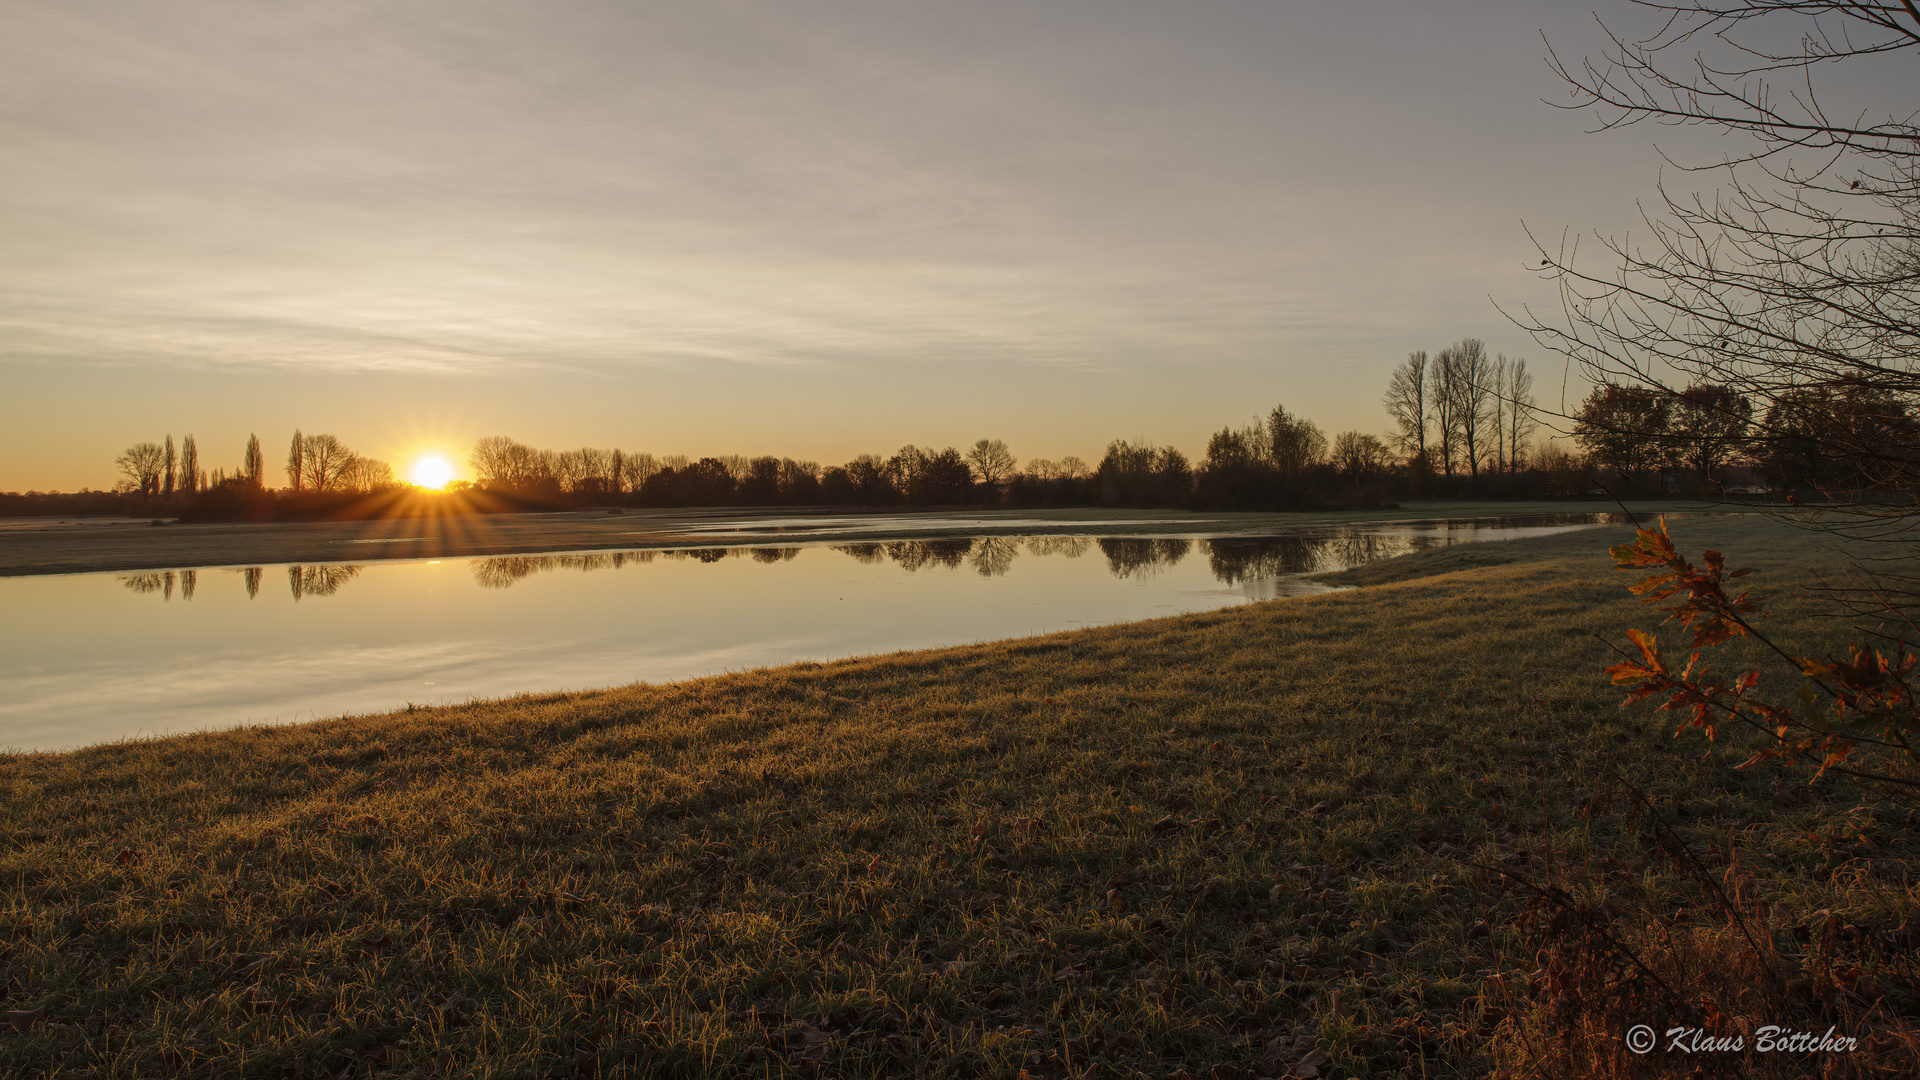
[1243, 843]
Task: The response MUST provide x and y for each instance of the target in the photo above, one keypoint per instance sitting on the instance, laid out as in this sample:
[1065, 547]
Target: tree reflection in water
[1139, 557]
[864, 554]
[150, 582]
[319, 580]
[502, 572]
[1071, 546]
[1235, 561]
[993, 555]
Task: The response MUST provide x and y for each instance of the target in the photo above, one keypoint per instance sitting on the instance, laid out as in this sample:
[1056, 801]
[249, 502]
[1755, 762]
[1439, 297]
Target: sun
[432, 471]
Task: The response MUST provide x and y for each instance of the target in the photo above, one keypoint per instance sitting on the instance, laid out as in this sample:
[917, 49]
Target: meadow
[1282, 839]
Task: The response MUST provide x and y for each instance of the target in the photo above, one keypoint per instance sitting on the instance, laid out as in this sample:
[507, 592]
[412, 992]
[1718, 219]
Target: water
[98, 657]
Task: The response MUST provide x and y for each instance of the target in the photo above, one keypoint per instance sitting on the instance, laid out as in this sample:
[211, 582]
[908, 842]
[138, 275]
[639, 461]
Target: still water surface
[97, 657]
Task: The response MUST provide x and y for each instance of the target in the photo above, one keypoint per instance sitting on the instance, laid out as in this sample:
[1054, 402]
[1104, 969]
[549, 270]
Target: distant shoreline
[35, 546]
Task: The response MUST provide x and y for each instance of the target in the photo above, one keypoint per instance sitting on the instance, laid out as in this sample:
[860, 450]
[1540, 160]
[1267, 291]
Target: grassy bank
[1241, 843]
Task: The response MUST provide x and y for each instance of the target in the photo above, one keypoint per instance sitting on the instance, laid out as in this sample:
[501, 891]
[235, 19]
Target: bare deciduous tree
[1359, 456]
[324, 461]
[637, 469]
[992, 462]
[1467, 385]
[366, 474]
[1520, 420]
[1795, 280]
[143, 464]
[1406, 402]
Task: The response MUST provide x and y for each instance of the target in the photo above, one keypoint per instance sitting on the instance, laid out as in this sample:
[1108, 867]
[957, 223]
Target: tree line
[317, 464]
[912, 476]
[1277, 462]
[1848, 437]
[1462, 411]
[1463, 422]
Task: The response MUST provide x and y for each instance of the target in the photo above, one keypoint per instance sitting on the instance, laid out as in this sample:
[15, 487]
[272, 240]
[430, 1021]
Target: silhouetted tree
[836, 486]
[1624, 428]
[991, 460]
[501, 464]
[143, 464]
[761, 487]
[1793, 285]
[189, 466]
[172, 463]
[1520, 419]
[366, 474]
[296, 462]
[926, 477]
[872, 481]
[1462, 396]
[1234, 473]
[1144, 475]
[1295, 444]
[324, 462]
[253, 469]
[1406, 402]
[799, 482]
[1707, 426]
[1814, 436]
[1359, 457]
[637, 468]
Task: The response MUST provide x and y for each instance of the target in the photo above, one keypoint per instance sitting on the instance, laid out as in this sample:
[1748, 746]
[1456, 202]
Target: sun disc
[432, 471]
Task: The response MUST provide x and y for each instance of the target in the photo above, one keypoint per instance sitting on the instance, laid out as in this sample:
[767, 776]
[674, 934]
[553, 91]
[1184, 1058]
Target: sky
[804, 229]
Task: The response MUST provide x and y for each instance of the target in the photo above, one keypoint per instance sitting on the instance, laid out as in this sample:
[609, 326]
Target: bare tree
[1359, 456]
[992, 462]
[1447, 402]
[1406, 402]
[1497, 413]
[324, 461]
[1470, 384]
[1520, 420]
[637, 469]
[366, 474]
[1796, 279]
[502, 464]
[173, 462]
[143, 464]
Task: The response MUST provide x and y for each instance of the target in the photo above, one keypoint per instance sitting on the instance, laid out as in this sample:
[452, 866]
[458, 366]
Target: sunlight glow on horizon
[432, 471]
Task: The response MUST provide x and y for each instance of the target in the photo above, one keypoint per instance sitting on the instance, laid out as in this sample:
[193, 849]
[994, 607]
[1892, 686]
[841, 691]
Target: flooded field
[102, 656]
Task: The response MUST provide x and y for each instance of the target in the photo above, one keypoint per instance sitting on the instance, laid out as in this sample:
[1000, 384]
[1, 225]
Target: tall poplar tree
[189, 465]
[295, 457]
[254, 469]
